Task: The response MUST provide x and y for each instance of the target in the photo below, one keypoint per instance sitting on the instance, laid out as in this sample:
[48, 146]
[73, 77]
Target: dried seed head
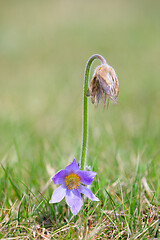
[104, 84]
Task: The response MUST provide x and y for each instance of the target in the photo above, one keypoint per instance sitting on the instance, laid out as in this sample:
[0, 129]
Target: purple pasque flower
[70, 187]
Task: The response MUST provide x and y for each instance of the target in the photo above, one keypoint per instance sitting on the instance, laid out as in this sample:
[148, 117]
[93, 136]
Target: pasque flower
[71, 180]
[104, 84]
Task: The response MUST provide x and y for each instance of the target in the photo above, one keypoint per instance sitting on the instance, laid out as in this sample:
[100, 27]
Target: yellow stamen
[72, 181]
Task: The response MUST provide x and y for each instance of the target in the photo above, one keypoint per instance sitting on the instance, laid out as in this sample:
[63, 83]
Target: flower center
[72, 181]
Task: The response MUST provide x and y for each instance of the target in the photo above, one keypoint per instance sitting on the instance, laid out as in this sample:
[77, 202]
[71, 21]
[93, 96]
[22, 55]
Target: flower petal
[58, 194]
[73, 199]
[87, 192]
[73, 167]
[86, 177]
[59, 177]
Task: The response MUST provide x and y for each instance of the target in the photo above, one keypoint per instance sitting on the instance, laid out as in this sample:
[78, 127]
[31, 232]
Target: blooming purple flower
[70, 187]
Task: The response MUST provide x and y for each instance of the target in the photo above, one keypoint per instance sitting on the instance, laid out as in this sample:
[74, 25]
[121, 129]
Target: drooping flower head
[104, 84]
[71, 179]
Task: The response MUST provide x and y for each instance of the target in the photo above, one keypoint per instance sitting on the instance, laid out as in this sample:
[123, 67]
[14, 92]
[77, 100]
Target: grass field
[44, 46]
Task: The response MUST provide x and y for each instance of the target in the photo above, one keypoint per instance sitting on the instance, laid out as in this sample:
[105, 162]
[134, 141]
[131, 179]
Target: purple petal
[59, 177]
[73, 199]
[87, 192]
[73, 167]
[86, 177]
[58, 194]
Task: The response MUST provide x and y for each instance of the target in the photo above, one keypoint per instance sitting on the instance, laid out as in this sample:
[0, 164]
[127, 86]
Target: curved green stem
[85, 122]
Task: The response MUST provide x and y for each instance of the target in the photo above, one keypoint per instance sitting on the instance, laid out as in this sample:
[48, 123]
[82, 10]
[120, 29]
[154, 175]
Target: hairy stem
[85, 122]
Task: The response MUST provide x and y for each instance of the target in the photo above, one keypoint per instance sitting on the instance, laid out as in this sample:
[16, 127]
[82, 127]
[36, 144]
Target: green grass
[44, 46]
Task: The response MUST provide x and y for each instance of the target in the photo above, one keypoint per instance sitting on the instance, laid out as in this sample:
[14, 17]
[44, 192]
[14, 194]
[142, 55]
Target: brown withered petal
[104, 84]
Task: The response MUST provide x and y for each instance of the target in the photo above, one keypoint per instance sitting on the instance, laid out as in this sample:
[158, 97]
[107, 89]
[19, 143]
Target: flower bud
[104, 84]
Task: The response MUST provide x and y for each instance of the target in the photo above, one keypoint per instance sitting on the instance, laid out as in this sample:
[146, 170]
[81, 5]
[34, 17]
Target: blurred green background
[44, 47]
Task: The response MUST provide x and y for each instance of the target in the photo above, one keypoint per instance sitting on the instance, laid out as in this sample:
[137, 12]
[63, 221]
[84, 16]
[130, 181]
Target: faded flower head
[70, 180]
[104, 84]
